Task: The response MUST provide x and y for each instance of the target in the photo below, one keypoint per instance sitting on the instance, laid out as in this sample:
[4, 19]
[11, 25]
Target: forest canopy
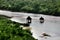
[50, 7]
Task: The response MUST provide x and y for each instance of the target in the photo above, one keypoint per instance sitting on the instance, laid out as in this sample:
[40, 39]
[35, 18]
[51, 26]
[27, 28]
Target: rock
[45, 34]
[26, 28]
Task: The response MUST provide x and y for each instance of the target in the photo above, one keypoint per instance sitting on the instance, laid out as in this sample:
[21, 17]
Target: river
[50, 26]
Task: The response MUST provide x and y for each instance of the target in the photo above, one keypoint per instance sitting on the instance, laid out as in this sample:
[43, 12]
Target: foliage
[12, 31]
[51, 7]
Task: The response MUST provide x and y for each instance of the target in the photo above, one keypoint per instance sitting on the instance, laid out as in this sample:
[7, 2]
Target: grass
[12, 31]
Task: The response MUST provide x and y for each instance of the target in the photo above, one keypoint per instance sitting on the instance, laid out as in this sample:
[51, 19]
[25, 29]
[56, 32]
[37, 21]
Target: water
[50, 26]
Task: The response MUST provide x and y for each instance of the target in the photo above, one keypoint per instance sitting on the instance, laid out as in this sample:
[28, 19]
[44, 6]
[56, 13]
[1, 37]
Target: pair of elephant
[29, 19]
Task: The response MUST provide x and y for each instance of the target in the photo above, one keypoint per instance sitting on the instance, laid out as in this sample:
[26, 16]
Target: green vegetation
[12, 31]
[50, 7]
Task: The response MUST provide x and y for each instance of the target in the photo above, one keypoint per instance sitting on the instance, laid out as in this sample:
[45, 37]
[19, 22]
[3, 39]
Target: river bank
[10, 30]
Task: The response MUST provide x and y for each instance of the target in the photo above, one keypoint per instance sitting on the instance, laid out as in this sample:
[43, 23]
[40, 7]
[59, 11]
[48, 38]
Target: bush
[51, 7]
[12, 31]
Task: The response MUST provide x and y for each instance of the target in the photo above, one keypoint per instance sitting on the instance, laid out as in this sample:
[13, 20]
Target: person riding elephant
[29, 19]
[41, 19]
